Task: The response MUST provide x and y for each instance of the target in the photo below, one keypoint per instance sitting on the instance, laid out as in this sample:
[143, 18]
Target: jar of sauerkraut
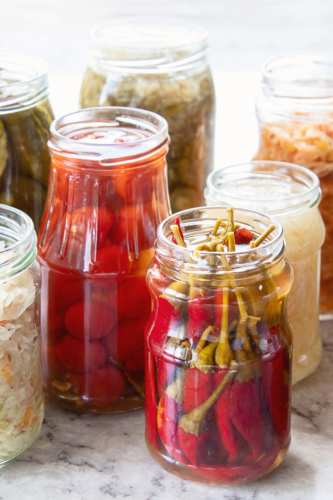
[160, 65]
[21, 397]
[295, 115]
[291, 194]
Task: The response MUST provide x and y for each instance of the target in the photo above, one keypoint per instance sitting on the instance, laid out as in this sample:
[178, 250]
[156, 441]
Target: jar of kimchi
[107, 195]
[291, 194]
[295, 115]
[219, 346]
[21, 400]
[160, 65]
[25, 118]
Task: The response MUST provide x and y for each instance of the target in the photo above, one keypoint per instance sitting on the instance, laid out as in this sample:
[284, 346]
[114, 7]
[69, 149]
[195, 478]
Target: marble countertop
[101, 457]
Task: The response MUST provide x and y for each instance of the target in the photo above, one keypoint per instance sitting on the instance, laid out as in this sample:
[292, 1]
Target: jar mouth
[151, 129]
[23, 82]
[148, 44]
[18, 241]
[275, 178]
[304, 76]
[204, 219]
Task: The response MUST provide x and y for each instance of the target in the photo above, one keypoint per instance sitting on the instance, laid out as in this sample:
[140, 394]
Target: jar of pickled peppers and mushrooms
[21, 401]
[291, 194]
[219, 346]
[107, 196]
[160, 65]
[25, 118]
[295, 115]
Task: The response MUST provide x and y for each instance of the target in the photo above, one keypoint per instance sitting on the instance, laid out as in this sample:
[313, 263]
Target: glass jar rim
[27, 82]
[176, 256]
[17, 228]
[148, 44]
[301, 75]
[267, 170]
[113, 153]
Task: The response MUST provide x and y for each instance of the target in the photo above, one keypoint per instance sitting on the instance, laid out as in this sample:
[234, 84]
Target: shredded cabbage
[21, 399]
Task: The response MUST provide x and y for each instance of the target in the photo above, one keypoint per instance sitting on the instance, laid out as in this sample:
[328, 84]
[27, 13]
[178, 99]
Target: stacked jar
[294, 113]
[219, 346]
[25, 118]
[107, 195]
[292, 195]
[22, 404]
[162, 66]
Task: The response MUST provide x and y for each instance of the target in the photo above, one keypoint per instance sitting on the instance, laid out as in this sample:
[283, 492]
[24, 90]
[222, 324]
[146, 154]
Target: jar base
[183, 471]
[74, 403]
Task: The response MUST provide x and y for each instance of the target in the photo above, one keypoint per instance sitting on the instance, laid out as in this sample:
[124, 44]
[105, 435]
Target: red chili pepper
[200, 313]
[244, 403]
[273, 378]
[151, 400]
[243, 236]
[192, 428]
[177, 223]
[174, 354]
[168, 414]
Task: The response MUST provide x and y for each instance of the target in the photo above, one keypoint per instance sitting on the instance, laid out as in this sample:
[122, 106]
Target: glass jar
[21, 402]
[25, 118]
[291, 194]
[107, 195]
[295, 115]
[160, 65]
[218, 352]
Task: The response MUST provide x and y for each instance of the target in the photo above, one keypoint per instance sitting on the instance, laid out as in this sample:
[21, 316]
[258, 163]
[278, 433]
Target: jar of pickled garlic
[291, 194]
[21, 400]
[25, 118]
[219, 346]
[160, 65]
[107, 195]
[295, 115]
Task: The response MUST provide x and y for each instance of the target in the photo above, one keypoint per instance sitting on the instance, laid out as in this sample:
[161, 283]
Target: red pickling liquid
[95, 242]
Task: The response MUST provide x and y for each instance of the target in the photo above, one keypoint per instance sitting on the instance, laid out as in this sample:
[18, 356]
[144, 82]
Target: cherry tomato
[133, 297]
[81, 190]
[136, 362]
[52, 363]
[90, 320]
[100, 387]
[113, 260]
[134, 189]
[87, 226]
[80, 356]
[70, 292]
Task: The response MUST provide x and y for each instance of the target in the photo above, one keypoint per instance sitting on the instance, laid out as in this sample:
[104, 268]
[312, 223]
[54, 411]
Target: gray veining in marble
[98, 457]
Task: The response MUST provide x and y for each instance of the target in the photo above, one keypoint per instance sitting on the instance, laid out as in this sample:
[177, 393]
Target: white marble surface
[98, 457]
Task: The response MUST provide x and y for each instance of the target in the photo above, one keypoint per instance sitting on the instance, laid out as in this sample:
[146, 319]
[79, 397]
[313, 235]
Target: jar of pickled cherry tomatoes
[21, 400]
[291, 194]
[219, 346]
[107, 195]
[294, 112]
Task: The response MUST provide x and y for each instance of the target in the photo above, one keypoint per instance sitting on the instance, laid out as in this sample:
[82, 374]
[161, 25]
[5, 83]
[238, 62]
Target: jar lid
[148, 44]
[108, 134]
[269, 186]
[23, 82]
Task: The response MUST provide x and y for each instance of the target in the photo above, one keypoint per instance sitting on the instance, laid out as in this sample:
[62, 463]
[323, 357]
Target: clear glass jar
[21, 400]
[25, 118]
[291, 194]
[295, 115]
[107, 195]
[160, 65]
[218, 352]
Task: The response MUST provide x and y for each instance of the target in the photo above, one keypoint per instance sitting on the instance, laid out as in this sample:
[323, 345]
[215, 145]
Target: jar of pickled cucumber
[21, 401]
[219, 346]
[162, 66]
[295, 118]
[25, 118]
[291, 194]
[107, 195]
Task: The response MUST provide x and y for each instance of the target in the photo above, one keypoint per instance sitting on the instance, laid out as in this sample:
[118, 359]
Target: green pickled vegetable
[188, 105]
[25, 159]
